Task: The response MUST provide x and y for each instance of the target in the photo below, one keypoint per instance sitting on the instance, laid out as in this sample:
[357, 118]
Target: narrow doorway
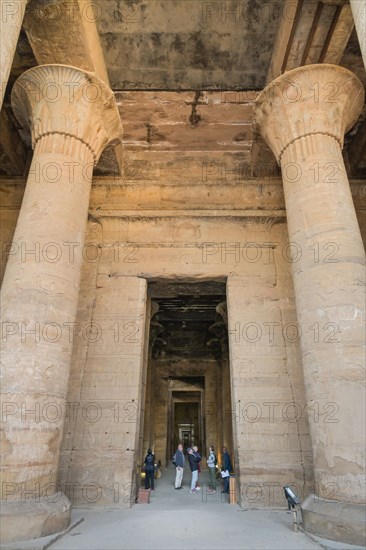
[186, 426]
[186, 414]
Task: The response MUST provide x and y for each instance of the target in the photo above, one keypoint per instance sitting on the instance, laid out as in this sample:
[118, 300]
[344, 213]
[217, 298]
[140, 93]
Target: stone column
[358, 8]
[72, 117]
[303, 115]
[11, 18]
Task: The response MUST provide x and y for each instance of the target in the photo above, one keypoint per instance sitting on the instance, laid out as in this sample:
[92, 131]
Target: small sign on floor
[144, 496]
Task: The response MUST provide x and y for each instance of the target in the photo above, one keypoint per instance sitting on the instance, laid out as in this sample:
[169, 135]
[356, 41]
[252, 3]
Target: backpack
[215, 459]
[149, 463]
[173, 460]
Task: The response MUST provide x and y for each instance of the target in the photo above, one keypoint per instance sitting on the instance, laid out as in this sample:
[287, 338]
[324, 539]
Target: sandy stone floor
[180, 520]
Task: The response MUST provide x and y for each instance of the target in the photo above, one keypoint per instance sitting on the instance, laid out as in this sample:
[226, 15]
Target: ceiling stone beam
[359, 15]
[65, 32]
[205, 120]
[285, 34]
[11, 18]
[311, 31]
[338, 35]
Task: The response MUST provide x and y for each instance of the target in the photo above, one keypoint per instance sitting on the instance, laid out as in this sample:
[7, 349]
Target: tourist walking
[149, 468]
[179, 461]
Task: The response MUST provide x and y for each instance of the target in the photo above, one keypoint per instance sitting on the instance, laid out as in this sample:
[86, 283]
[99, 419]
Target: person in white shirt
[211, 463]
[178, 461]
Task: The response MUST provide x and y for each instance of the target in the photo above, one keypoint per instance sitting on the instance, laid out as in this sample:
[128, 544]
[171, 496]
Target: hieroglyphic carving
[69, 131]
[303, 116]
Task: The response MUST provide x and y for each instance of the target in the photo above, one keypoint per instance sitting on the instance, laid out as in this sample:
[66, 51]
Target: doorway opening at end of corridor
[188, 387]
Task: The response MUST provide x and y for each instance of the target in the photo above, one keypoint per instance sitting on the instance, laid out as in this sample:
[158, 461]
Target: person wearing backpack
[178, 462]
[211, 463]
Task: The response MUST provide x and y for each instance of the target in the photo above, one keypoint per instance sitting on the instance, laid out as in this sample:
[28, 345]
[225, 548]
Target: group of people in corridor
[194, 459]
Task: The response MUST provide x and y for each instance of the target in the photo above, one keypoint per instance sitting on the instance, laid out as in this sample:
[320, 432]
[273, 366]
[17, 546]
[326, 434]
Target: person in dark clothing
[226, 465]
[179, 461]
[149, 467]
[194, 458]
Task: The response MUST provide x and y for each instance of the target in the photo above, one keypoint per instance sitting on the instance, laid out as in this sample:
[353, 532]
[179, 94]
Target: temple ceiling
[185, 72]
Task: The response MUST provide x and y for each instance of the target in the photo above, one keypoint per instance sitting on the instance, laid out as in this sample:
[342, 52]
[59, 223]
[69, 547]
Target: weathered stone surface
[309, 33]
[41, 283]
[11, 19]
[359, 15]
[317, 34]
[338, 521]
[306, 133]
[40, 517]
[138, 340]
[270, 421]
[101, 446]
[186, 45]
[83, 107]
[65, 32]
[308, 106]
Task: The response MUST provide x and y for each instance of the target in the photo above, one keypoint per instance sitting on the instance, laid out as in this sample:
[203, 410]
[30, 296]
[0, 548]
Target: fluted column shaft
[41, 285]
[328, 271]
[39, 299]
[303, 115]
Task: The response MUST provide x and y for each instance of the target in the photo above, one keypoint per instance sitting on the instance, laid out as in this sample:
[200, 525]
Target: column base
[28, 520]
[334, 520]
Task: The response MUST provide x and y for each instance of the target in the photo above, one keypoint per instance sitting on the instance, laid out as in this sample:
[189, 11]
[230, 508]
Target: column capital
[60, 99]
[315, 99]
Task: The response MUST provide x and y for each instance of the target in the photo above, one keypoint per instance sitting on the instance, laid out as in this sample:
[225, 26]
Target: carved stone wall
[175, 249]
[188, 246]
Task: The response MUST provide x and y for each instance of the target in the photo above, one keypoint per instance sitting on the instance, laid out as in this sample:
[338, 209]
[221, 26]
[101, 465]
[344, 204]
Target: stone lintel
[114, 197]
